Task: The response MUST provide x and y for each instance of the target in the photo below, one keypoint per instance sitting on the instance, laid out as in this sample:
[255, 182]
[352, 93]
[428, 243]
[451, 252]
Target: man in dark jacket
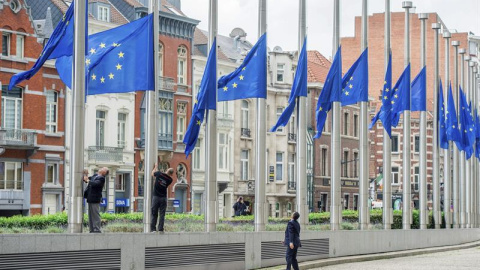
[159, 198]
[239, 207]
[292, 241]
[94, 197]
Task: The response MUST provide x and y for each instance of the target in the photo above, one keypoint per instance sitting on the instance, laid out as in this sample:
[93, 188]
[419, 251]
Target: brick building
[32, 123]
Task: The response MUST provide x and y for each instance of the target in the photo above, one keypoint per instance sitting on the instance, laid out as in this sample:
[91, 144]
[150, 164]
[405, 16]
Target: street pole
[211, 213]
[447, 188]
[335, 187]
[387, 142]
[475, 217]
[75, 213]
[364, 213]
[261, 139]
[423, 132]
[407, 213]
[436, 148]
[456, 152]
[302, 206]
[464, 166]
[151, 129]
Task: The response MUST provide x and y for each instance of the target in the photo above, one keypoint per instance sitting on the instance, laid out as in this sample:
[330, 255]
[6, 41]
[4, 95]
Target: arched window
[182, 65]
[182, 173]
[163, 166]
[160, 59]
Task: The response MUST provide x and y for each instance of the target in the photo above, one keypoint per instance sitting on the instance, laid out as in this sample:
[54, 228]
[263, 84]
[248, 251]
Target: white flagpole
[75, 215]
[456, 152]
[464, 165]
[423, 132]
[407, 212]
[335, 182]
[436, 148]
[302, 206]
[447, 187]
[151, 129]
[261, 206]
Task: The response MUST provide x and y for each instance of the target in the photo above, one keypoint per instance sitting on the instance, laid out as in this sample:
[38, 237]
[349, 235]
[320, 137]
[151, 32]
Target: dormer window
[103, 13]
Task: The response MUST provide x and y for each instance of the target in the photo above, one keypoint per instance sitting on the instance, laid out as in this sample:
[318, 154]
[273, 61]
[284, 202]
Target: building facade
[32, 131]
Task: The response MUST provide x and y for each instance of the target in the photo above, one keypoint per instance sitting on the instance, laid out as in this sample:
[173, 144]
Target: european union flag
[401, 96]
[467, 126]
[477, 135]
[419, 91]
[442, 131]
[299, 88]
[206, 100]
[355, 81]
[331, 88]
[249, 80]
[55, 47]
[451, 119]
[119, 60]
[384, 114]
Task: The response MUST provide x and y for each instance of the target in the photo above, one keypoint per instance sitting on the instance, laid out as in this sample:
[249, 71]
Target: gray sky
[282, 18]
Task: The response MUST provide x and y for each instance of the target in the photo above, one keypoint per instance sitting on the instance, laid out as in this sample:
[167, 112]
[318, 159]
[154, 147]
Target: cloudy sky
[282, 18]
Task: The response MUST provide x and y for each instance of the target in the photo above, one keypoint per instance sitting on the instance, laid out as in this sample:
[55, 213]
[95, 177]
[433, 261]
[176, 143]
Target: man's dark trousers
[159, 204]
[291, 256]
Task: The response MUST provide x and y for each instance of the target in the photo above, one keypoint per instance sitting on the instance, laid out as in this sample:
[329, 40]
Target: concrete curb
[380, 256]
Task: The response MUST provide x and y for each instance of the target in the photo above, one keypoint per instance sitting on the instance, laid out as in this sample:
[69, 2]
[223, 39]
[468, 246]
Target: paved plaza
[449, 260]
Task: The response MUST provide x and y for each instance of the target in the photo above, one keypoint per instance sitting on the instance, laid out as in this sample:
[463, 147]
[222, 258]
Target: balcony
[225, 120]
[165, 141]
[105, 154]
[166, 83]
[245, 132]
[292, 138]
[180, 147]
[292, 187]
[18, 138]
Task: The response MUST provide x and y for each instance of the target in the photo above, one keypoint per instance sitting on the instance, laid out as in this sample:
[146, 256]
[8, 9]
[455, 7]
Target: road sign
[176, 203]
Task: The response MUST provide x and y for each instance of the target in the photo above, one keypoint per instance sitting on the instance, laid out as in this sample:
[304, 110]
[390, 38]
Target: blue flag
[451, 119]
[442, 131]
[355, 81]
[467, 126]
[119, 60]
[299, 88]
[401, 96]
[384, 114]
[477, 135]
[332, 85]
[206, 100]
[419, 91]
[55, 47]
[249, 80]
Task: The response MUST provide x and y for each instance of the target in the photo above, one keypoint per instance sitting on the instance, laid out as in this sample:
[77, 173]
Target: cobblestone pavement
[449, 260]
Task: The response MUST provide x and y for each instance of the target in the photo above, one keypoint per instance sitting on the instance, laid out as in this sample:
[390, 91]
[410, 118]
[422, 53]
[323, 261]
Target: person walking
[239, 207]
[94, 197]
[292, 241]
[159, 198]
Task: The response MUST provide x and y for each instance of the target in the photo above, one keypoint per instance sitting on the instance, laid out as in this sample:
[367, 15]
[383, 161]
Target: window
[294, 69]
[15, 5]
[52, 173]
[182, 65]
[6, 44]
[279, 168]
[103, 13]
[395, 143]
[244, 163]
[165, 120]
[181, 120]
[345, 123]
[120, 182]
[289, 209]
[355, 125]
[324, 161]
[395, 176]
[291, 168]
[122, 122]
[222, 151]
[325, 125]
[291, 124]
[279, 113]
[280, 72]
[277, 209]
[245, 113]
[11, 108]
[52, 101]
[196, 156]
[20, 46]
[11, 175]
[416, 178]
[417, 144]
[100, 135]
[160, 59]
[222, 108]
[346, 199]
[345, 164]
[355, 164]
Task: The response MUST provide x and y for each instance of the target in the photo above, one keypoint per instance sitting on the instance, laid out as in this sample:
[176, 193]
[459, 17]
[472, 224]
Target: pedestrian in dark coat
[239, 207]
[292, 241]
[159, 198]
[94, 197]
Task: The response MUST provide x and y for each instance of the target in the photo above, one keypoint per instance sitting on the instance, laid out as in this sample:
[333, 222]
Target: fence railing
[17, 137]
[166, 83]
[292, 137]
[245, 132]
[99, 153]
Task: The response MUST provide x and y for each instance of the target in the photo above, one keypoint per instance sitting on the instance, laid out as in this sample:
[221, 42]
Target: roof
[318, 66]
[127, 7]
[229, 48]
[38, 10]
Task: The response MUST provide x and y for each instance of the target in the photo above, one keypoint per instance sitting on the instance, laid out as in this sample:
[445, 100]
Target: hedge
[61, 220]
